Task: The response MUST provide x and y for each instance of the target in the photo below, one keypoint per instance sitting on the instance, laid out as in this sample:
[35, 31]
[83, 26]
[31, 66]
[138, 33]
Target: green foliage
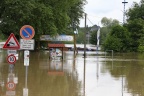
[136, 11]
[136, 25]
[93, 39]
[103, 34]
[109, 22]
[141, 48]
[80, 36]
[136, 29]
[46, 16]
[130, 36]
[112, 43]
[118, 39]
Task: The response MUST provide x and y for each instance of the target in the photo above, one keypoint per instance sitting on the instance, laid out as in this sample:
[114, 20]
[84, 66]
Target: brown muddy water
[102, 74]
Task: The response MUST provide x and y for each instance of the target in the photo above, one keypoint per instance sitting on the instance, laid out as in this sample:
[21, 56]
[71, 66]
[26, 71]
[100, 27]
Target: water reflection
[84, 77]
[96, 75]
[2, 83]
[25, 89]
[12, 81]
[56, 67]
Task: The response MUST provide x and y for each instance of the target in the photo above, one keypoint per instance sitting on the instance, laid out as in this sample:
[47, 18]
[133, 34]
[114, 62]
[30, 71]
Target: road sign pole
[26, 57]
[26, 32]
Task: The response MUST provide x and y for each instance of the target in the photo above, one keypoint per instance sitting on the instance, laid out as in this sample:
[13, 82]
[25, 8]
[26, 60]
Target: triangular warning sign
[11, 43]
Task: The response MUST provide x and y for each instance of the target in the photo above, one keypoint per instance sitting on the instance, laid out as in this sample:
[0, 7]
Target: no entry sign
[11, 59]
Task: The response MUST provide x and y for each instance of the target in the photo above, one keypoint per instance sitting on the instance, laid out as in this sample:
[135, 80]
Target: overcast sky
[97, 9]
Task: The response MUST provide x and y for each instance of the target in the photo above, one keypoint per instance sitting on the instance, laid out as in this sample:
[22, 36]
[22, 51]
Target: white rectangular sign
[10, 93]
[11, 52]
[25, 91]
[27, 44]
[26, 58]
[56, 38]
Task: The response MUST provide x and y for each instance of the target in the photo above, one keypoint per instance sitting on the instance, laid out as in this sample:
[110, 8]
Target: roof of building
[56, 45]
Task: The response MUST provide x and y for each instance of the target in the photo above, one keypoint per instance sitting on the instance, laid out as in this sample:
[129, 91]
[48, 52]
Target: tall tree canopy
[128, 37]
[118, 39]
[135, 24]
[108, 24]
[46, 16]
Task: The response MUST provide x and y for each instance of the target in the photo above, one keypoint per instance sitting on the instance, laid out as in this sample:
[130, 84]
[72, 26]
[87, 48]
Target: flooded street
[102, 74]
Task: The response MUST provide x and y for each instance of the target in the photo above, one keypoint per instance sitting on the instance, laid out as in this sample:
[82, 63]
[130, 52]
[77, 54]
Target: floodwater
[99, 74]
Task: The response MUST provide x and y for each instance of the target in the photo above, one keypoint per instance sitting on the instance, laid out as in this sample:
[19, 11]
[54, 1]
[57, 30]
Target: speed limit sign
[10, 85]
[11, 59]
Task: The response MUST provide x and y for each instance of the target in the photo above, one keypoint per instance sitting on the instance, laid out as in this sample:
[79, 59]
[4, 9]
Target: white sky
[97, 9]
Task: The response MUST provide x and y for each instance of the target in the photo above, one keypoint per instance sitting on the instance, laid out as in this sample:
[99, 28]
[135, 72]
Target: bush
[141, 48]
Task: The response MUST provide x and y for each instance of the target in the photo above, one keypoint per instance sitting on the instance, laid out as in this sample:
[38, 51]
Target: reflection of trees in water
[74, 85]
[39, 82]
[132, 72]
[3, 55]
[42, 84]
[135, 80]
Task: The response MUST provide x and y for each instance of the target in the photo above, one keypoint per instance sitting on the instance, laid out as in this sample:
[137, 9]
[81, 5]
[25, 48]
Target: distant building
[94, 28]
[91, 29]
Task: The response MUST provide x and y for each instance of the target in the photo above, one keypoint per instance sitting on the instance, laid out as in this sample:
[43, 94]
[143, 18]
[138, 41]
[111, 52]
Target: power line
[90, 21]
[96, 17]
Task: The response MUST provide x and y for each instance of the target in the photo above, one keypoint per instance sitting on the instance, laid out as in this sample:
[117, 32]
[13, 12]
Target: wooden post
[85, 37]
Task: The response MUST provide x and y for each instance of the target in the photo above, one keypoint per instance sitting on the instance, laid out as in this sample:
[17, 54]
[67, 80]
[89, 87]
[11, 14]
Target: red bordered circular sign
[11, 59]
[10, 86]
[27, 32]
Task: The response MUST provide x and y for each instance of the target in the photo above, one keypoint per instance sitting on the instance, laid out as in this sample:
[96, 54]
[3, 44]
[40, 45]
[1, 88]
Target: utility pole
[85, 36]
[124, 11]
[74, 45]
[75, 49]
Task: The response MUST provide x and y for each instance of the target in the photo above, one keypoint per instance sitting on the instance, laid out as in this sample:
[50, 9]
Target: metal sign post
[27, 33]
[26, 57]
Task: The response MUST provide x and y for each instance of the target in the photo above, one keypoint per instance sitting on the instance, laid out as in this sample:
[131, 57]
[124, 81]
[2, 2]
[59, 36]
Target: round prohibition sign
[27, 32]
[11, 59]
[11, 86]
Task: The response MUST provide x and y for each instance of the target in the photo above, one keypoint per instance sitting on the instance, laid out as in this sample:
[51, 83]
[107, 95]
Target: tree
[136, 11]
[118, 39]
[93, 39]
[107, 23]
[136, 29]
[135, 24]
[46, 16]
[93, 34]
[80, 36]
